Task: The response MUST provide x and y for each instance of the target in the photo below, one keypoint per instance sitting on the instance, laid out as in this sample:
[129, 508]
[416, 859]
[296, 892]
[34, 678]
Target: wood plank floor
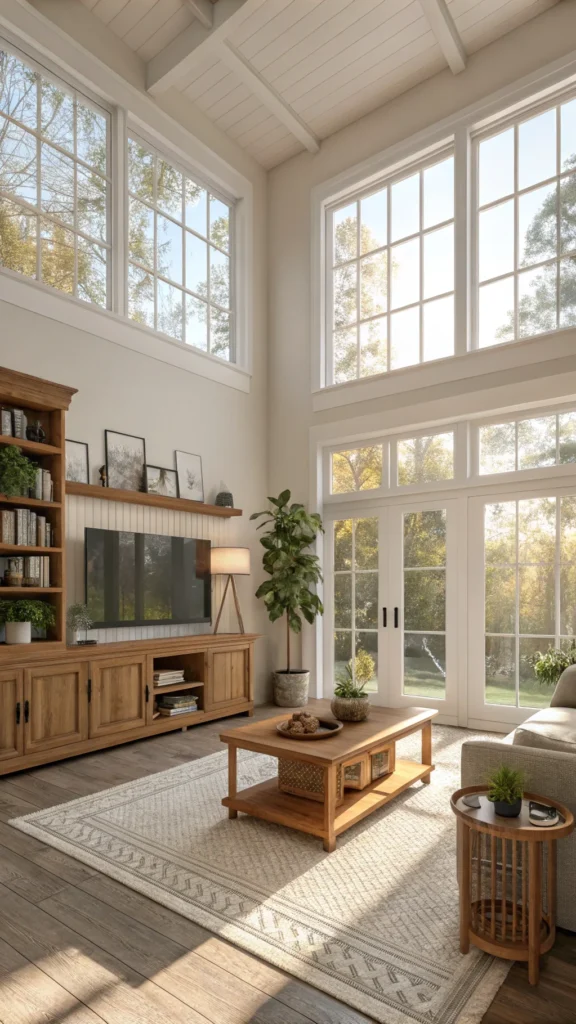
[79, 948]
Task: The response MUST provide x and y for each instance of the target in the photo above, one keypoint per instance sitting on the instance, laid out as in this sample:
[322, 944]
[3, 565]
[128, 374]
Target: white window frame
[543, 89]
[559, 469]
[164, 154]
[81, 71]
[529, 110]
[87, 99]
[387, 182]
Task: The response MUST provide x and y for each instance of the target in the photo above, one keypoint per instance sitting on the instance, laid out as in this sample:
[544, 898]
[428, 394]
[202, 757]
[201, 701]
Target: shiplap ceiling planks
[326, 62]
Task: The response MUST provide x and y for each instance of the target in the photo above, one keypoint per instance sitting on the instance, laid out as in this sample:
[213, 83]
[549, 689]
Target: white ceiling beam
[442, 24]
[203, 10]
[181, 56]
[268, 95]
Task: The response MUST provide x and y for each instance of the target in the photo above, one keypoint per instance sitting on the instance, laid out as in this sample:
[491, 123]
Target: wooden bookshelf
[197, 508]
[47, 402]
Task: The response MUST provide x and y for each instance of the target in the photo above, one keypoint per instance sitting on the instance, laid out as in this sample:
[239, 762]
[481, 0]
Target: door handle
[18, 713]
[147, 693]
[89, 688]
[26, 710]
[384, 617]
[396, 618]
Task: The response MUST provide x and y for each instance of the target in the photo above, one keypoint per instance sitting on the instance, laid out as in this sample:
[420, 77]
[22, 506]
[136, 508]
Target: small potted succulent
[77, 618]
[351, 702]
[19, 617]
[505, 790]
[17, 473]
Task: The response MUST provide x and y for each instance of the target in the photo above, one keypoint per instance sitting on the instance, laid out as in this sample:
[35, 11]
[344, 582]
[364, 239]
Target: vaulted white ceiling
[279, 76]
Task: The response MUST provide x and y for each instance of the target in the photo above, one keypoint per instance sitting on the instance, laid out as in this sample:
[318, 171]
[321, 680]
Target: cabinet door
[229, 678]
[11, 715]
[55, 706]
[119, 693]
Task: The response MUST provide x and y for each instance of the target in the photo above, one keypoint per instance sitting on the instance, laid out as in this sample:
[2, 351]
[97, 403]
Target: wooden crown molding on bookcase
[197, 508]
[23, 389]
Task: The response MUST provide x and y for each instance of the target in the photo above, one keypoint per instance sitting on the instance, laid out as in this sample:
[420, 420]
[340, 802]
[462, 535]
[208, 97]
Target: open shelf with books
[32, 530]
[178, 684]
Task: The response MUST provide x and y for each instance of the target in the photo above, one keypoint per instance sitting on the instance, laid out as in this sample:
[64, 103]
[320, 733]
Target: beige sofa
[544, 747]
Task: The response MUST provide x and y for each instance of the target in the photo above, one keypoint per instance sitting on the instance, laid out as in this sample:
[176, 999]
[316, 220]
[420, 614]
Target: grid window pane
[537, 442]
[53, 183]
[521, 240]
[530, 593]
[423, 460]
[181, 234]
[355, 605]
[359, 469]
[393, 253]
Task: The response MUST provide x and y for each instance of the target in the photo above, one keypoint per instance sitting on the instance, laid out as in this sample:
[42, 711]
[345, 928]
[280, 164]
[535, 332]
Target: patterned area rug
[375, 923]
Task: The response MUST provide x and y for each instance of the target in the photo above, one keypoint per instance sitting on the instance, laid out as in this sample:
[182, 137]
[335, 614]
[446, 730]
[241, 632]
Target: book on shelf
[36, 491]
[47, 485]
[168, 678]
[173, 699]
[6, 422]
[19, 423]
[32, 529]
[8, 526]
[48, 536]
[168, 712]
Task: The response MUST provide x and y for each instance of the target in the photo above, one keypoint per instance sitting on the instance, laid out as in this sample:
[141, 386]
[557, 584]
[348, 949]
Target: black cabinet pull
[89, 691]
[395, 618]
[147, 693]
[18, 713]
[384, 617]
[26, 710]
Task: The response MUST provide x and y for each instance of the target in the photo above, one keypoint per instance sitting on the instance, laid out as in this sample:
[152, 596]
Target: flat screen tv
[146, 579]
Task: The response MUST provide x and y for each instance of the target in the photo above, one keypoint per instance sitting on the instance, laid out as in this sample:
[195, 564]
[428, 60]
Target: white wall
[292, 418]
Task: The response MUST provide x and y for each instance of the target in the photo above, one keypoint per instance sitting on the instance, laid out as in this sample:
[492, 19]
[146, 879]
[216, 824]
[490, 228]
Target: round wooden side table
[507, 879]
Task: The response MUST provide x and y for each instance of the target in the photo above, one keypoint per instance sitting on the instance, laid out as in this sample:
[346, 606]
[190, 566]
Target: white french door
[522, 597]
[391, 604]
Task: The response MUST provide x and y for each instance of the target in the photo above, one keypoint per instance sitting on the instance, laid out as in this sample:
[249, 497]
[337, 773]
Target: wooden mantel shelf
[196, 508]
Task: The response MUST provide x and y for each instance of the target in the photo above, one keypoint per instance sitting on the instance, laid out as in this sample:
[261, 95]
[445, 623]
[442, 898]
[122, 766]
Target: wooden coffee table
[350, 758]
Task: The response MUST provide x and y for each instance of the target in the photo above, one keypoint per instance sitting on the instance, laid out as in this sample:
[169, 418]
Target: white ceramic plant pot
[73, 637]
[18, 632]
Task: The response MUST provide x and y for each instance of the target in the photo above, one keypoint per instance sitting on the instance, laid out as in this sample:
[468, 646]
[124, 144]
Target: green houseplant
[294, 572]
[505, 789]
[351, 702]
[17, 473]
[77, 618]
[550, 664]
[19, 617]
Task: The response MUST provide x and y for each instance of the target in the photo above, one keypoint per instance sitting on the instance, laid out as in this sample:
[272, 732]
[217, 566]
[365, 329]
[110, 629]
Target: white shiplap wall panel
[152, 22]
[257, 19]
[409, 74]
[270, 156]
[480, 31]
[230, 85]
[320, 80]
[322, 31]
[240, 93]
[111, 515]
[105, 10]
[207, 79]
[244, 124]
[269, 130]
[249, 108]
[172, 28]
[130, 15]
[281, 26]
[414, 41]
[202, 68]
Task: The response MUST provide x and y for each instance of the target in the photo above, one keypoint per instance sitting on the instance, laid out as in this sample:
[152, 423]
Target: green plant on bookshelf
[18, 614]
[17, 473]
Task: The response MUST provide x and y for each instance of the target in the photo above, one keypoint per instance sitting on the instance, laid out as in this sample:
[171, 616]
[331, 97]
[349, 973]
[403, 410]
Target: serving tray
[325, 730]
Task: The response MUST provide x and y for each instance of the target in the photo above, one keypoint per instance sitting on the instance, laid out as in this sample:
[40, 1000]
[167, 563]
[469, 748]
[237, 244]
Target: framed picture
[125, 461]
[162, 481]
[77, 462]
[190, 483]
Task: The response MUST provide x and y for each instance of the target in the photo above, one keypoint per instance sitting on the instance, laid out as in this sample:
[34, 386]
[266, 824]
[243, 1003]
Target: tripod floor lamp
[230, 562]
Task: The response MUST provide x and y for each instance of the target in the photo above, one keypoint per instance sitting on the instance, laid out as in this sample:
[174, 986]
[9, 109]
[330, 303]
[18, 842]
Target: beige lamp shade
[230, 561]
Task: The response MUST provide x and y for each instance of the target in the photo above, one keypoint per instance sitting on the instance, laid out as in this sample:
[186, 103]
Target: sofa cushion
[551, 728]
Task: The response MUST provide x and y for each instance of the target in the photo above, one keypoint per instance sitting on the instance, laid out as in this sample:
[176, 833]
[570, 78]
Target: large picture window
[179, 253]
[54, 183]
[392, 275]
[527, 228]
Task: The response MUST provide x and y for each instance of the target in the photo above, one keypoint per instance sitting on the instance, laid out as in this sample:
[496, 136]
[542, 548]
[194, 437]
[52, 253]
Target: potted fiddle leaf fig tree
[20, 616]
[294, 572]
